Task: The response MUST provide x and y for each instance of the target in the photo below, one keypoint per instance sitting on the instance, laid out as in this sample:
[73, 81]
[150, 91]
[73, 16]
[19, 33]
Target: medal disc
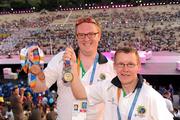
[68, 76]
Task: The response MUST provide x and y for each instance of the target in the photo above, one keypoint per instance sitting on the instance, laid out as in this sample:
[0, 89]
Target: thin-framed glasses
[89, 35]
[129, 65]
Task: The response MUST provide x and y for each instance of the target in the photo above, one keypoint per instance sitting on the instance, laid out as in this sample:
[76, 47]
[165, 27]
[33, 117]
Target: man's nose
[86, 37]
[125, 68]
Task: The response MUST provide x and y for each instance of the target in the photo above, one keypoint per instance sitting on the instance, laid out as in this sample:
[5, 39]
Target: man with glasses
[92, 67]
[126, 96]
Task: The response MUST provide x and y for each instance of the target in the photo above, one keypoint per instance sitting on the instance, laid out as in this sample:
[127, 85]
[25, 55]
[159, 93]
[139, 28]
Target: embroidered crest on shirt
[141, 110]
[102, 76]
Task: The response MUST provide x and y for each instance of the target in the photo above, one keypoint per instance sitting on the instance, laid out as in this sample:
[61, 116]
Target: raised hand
[69, 55]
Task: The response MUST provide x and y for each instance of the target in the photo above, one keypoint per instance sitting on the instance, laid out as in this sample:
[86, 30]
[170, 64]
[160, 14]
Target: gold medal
[68, 77]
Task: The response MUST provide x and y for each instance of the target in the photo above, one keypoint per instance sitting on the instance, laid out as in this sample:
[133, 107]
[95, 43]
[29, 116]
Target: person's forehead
[87, 27]
[126, 57]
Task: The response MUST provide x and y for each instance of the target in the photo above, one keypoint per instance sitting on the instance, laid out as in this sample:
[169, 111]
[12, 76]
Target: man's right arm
[78, 89]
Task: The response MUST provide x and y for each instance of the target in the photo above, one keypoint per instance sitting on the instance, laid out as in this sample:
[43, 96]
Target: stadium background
[144, 24]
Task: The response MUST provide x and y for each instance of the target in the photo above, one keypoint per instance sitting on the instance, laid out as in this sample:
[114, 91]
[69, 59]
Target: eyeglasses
[89, 35]
[129, 65]
[86, 20]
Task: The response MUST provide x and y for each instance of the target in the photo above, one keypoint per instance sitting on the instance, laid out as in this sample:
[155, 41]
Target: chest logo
[141, 110]
[102, 76]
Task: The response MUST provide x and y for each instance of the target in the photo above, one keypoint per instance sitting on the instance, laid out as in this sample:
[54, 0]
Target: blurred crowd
[42, 106]
[155, 28]
[32, 106]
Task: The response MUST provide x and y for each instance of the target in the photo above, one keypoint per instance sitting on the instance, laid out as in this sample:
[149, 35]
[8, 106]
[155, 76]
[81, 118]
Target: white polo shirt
[149, 100]
[66, 103]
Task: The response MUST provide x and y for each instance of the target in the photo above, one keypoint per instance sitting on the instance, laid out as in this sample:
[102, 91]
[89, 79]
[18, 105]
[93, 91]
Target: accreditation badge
[79, 110]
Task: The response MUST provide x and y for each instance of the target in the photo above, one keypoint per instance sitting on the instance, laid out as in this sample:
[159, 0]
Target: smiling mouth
[87, 44]
[125, 74]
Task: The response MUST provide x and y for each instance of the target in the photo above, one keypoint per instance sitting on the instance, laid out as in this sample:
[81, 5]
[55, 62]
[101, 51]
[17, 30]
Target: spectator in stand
[9, 113]
[52, 115]
[176, 113]
[28, 103]
[36, 114]
[171, 91]
[167, 97]
[17, 103]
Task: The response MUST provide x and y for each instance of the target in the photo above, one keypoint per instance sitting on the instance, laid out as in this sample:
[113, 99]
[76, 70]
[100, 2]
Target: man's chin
[125, 81]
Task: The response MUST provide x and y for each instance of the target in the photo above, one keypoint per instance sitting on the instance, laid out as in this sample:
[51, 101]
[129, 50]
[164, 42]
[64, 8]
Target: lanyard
[83, 70]
[132, 106]
[80, 65]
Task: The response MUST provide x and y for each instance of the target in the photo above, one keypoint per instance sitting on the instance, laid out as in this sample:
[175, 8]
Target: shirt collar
[101, 60]
[116, 82]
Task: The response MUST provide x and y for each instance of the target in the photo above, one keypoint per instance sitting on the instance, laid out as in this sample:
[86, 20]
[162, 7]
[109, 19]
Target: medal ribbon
[132, 106]
[83, 70]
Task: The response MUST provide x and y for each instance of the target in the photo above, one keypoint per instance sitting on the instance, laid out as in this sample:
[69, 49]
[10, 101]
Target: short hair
[88, 19]
[127, 50]
[14, 88]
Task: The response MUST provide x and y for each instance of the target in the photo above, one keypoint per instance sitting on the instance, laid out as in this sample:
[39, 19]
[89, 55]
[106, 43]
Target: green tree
[35, 3]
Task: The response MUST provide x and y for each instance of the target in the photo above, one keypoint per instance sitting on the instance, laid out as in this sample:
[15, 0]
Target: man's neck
[130, 87]
[87, 59]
